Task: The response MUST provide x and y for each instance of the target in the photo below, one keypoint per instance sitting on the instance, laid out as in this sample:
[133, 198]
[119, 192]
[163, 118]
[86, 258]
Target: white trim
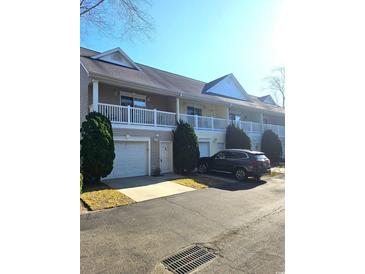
[137, 139]
[108, 52]
[171, 154]
[149, 127]
[87, 72]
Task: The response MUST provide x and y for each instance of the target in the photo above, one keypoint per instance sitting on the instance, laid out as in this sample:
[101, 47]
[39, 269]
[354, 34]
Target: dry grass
[190, 183]
[105, 198]
[198, 182]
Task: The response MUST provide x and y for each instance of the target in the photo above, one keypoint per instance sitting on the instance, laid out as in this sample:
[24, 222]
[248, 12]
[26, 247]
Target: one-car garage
[131, 159]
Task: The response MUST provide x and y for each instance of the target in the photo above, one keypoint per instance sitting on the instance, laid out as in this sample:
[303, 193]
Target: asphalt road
[242, 222]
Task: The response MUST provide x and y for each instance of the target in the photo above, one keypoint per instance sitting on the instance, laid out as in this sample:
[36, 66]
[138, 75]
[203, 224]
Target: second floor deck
[141, 117]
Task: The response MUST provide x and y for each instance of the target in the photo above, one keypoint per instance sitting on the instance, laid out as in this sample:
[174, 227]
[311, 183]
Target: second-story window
[133, 100]
[194, 111]
[234, 117]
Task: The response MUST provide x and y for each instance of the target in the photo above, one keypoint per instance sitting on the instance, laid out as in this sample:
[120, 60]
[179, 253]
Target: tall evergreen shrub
[237, 138]
[97, 147]
[271, 146]
[186, 148]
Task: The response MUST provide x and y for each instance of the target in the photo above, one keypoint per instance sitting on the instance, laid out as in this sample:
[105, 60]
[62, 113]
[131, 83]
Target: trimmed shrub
[81, 179]
[97, 147]
[237, 138]
[271, 146]
[186, 148]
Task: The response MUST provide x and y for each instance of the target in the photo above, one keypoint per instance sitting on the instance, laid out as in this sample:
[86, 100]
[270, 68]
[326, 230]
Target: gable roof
[267, 99]
[226, 86]
[109, 56]
[207, 86]
[163, 81]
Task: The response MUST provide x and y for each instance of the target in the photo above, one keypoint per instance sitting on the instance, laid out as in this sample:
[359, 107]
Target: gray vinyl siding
[111, 95]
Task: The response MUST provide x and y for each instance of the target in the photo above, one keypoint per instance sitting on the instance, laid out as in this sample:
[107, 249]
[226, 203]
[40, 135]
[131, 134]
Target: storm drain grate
[188, 260]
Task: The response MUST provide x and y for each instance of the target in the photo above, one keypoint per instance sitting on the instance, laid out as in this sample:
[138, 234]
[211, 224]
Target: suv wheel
[202, 168]
[240, 174]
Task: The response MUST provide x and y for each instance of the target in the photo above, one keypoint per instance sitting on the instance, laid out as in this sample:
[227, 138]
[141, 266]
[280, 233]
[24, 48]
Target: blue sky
[207, 39]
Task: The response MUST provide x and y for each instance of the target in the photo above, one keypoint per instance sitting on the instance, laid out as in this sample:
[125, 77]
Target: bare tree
[276, 84]
[123, 18]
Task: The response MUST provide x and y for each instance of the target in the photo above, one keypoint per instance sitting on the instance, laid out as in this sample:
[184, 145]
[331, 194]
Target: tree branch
[92, 7]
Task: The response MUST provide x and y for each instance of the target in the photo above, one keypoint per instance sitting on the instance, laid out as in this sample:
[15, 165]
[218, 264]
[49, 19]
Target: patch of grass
[199, 181]
[190, 183]
[104, 198]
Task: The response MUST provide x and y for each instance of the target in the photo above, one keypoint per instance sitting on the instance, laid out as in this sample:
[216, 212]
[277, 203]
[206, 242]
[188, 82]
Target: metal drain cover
[188, 259]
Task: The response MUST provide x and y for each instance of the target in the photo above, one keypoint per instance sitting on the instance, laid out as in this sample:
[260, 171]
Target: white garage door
[204, 149]
[131, 159]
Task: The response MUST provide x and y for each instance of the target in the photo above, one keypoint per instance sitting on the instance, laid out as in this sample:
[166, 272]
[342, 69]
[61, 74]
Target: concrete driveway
[144, 188]
[242, 222]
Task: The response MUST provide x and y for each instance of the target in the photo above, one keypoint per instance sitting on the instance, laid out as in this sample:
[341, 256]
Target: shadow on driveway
[227, 182]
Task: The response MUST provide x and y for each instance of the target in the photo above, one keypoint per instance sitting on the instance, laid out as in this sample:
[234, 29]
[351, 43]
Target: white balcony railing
[204, 122]
[137, 116]
[152, 117]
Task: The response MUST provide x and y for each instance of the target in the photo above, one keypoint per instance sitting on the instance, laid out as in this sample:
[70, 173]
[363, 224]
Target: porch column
[227, 115]
[95, 95]
[261, 117]
[177, 108]
[262, 121]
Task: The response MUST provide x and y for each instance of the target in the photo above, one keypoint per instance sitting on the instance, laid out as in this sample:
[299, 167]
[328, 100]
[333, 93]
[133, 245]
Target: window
[220, 155]
[234, 117]
[260, 157]
[138, 101]
[194, 111]
[126, 101]
[237, 155]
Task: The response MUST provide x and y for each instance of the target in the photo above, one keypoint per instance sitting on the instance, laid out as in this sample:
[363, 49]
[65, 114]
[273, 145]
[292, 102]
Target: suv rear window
[260, 157]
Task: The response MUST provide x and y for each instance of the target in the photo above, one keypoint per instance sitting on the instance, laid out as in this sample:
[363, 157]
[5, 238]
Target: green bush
[237, 138]
[97, 147]
[81, 179]
[186, 148]
[271, 146]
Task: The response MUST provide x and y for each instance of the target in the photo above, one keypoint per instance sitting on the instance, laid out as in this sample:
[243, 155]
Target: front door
[166, 157]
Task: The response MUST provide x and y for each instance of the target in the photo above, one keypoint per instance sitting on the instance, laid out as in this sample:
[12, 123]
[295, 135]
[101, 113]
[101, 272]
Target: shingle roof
[212, 83]
[263, 97]
[160, 79]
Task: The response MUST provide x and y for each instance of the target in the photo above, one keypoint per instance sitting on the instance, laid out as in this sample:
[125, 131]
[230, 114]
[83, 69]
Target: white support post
[155, 117]
[178, 109]
[212, 121]
[129, 114]
[227, 116]
[95, 95]
[196, 121]
[262, 121]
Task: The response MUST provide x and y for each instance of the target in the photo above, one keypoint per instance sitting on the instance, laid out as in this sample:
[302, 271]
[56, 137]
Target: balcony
[155, 118]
